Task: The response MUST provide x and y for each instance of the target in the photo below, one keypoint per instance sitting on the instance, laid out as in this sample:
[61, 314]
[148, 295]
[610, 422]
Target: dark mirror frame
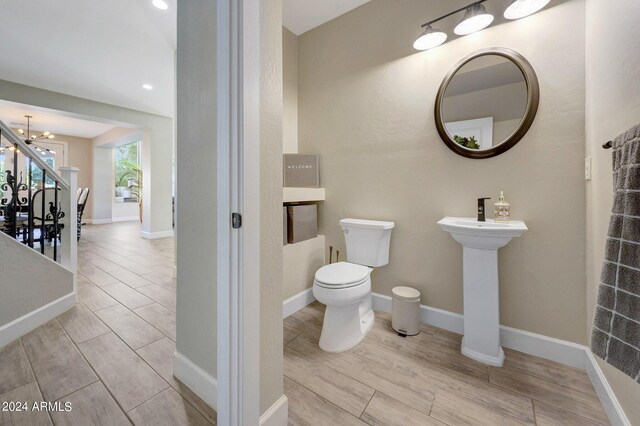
[533, 98]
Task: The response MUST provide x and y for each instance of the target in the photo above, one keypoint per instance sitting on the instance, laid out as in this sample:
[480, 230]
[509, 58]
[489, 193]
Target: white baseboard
[111, 220]
[557, 350]
[567, 353]
[433, 316]
[195, 378]
[610, 403]
[125, 219]
[156, 235]
[297, 302]
[98, 221]
[21, 326]
[277, 414]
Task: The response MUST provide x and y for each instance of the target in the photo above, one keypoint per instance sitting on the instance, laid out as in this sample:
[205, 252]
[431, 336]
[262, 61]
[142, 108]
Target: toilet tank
[367, 241]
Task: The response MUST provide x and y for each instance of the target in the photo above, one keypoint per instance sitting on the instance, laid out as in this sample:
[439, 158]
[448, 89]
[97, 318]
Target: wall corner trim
[195, 378]
[155, 235]
[610, 403]
[297, 302]
[277, 414]
[34, 319]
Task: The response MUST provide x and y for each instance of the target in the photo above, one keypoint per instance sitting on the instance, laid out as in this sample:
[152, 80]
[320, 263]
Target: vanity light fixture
[429, 39]
[147, 86]
[521, 8]
[475, 19]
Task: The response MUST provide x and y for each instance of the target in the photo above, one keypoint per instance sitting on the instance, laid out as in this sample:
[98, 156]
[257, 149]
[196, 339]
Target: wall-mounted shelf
[301, 195]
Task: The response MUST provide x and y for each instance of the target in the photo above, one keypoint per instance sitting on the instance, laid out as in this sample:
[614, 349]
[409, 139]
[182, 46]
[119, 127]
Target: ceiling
[49, 120]
[300, 16]
[98, 50]
[106, 50]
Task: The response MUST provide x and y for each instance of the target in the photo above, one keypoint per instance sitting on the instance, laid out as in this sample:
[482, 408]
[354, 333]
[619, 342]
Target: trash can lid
[406, 293]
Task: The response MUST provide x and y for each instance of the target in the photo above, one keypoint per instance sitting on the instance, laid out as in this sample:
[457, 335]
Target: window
[36, 174]
[128, 173]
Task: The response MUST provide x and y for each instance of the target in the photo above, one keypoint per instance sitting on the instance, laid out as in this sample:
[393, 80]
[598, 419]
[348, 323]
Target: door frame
[238, 189]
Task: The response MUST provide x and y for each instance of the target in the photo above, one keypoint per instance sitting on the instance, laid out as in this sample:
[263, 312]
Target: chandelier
[31, 139]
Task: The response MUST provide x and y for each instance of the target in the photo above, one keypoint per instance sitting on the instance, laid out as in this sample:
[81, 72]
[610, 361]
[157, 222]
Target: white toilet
[345, 287]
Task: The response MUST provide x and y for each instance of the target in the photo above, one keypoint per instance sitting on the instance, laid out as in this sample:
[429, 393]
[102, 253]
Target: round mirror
[487, 103]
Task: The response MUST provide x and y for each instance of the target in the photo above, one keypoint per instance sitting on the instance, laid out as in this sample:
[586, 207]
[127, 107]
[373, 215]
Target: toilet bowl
[345, 287]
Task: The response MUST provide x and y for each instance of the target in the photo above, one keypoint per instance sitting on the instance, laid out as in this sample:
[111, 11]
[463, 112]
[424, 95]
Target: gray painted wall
[365, 103]
[271, 125]
[196, 183]
[47, 281]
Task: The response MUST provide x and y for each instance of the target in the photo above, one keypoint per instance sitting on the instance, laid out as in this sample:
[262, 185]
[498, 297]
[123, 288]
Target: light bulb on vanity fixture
[429, 39]
[521, 8]
[475, 19]
[160, 4]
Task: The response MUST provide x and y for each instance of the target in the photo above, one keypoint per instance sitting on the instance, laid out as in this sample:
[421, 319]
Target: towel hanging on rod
[616, 328]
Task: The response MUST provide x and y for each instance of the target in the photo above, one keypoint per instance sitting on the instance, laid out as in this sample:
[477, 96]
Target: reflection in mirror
[485, 102]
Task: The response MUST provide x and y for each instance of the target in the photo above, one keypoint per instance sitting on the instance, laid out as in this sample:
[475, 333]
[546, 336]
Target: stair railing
[47, 198]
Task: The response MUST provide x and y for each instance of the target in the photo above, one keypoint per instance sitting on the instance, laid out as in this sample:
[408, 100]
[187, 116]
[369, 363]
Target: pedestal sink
[480, 242]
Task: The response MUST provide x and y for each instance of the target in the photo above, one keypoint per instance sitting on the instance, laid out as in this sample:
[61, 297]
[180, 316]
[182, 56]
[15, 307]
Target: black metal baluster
[55, 224]
[14, 209]
[30, 201]
[43, 216]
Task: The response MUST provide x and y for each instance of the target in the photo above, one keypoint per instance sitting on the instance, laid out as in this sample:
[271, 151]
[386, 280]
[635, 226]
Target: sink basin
[480, 242]
[489, 235]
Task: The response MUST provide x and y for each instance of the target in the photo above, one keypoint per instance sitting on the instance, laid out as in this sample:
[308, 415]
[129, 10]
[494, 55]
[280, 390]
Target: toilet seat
[342, 275]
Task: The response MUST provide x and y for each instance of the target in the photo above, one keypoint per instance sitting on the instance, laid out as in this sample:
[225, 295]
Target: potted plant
[471, 143]
[130, 183]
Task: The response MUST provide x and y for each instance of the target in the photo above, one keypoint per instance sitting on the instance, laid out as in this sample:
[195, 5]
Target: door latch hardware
[236, 220]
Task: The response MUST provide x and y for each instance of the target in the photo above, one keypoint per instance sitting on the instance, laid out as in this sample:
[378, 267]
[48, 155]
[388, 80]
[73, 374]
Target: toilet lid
[342, 273]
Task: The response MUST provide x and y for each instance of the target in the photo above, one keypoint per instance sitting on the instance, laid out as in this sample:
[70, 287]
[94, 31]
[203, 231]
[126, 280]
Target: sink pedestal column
[481, 340]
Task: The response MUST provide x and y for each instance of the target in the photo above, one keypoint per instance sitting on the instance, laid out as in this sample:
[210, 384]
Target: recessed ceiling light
[147, 86]
[160, 4]
[521, 8]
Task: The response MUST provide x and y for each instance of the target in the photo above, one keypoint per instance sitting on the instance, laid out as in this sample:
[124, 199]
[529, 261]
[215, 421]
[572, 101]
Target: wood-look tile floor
[111, 355]
[424, 380]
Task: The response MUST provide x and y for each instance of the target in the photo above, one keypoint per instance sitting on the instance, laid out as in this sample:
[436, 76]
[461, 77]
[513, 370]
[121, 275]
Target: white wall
[366, 102]
[613, 106]
[103, 192]
[46, 280]
[80, 156]
[102, 185]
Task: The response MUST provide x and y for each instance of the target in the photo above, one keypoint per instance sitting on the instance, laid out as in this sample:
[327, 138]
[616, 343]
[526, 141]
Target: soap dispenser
[501, 209]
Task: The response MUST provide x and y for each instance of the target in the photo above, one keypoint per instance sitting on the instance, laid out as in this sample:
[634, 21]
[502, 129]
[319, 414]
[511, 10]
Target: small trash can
[405, 318]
